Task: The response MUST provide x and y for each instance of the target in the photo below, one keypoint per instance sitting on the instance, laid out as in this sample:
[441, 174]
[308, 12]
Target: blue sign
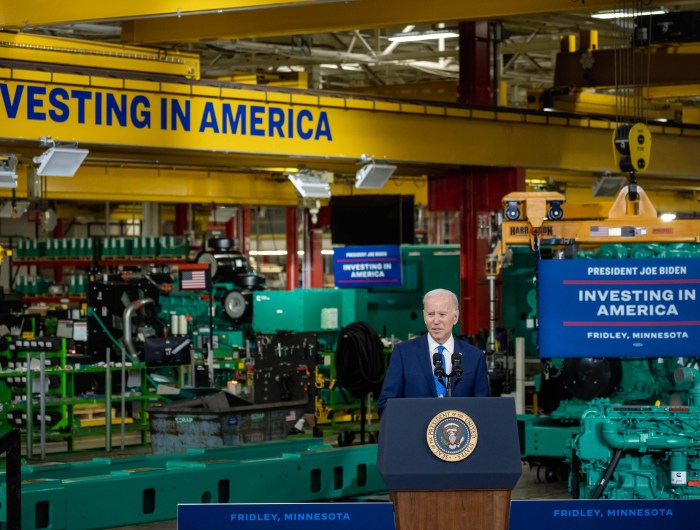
[614, 308]
[376, 266]
[604, 514]
[300, 516]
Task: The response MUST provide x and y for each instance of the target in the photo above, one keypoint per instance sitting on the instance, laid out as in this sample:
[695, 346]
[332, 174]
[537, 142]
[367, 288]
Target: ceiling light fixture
[311, 184]
[8, 171]
[415, 36]
[626, 13]
[373, 174]
[668, 217]
[59, 161]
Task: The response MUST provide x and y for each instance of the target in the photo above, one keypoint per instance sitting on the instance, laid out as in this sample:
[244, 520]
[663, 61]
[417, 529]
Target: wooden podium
[470, 493]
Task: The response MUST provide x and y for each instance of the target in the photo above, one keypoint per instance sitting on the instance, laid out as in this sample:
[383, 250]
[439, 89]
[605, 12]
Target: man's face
[440, 316]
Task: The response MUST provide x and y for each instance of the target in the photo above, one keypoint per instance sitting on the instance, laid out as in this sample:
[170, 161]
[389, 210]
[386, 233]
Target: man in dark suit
[410, 372]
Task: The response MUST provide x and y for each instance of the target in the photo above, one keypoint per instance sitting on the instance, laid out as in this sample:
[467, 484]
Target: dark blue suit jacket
[410, 373]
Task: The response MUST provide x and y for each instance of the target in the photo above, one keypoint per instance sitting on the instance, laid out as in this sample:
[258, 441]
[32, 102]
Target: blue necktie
[440, 388]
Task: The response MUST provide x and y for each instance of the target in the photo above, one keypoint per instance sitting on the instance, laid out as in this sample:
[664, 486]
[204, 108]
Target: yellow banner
[123, 117]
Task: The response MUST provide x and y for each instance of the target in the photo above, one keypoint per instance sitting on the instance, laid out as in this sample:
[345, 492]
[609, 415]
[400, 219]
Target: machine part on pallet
[636, 452]
[81, 496]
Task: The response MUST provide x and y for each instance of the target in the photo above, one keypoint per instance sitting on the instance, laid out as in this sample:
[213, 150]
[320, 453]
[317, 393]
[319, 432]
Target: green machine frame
[112, 492]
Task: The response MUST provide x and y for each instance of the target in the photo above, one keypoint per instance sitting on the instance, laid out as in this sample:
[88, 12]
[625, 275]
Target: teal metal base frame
[111, 492]
[544, 438]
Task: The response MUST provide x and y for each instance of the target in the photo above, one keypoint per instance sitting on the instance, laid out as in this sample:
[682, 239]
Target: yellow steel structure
[40, 12]
[593, 104]
[195, 185]
[91, 54]
[315, 18]
[218, 125]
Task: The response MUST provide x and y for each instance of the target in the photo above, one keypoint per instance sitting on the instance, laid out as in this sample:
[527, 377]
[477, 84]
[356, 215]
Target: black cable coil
[359, 360]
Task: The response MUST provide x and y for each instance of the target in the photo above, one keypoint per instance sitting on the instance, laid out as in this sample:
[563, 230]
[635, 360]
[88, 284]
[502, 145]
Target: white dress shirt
[449, 350]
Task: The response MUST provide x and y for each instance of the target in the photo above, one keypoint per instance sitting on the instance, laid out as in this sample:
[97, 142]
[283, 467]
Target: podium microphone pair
[457, 371]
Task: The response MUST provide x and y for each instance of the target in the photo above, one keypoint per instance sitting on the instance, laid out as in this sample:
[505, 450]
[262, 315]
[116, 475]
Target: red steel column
[180, 219]
[292, 248]
[474, 64]
[474, 193]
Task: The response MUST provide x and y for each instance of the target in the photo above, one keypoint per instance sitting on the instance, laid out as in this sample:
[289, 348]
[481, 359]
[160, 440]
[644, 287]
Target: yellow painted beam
[219, 126]
[290, 20]
[691, 90]
[29, 13]
[193, 185]
[591, 104]
[74, 52]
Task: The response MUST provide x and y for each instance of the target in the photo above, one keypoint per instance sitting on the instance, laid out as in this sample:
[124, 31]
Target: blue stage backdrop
[619, 308]
[294, 516]
[375, 266]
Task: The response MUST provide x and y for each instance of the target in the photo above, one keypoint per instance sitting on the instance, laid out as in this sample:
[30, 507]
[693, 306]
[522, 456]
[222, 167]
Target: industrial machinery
[567, 387]
[110, 296]
[233, 279]
[638, 452]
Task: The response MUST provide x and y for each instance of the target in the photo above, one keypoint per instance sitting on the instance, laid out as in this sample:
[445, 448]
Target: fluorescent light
[373, 175]
[626, 13]
[60, 161]
[310, 185]
[423, 35]
[8, 180]
[667, 217]
[8, 173]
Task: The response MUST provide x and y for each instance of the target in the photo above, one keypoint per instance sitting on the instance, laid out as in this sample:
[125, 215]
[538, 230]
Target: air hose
[359, 360]
[600, 488]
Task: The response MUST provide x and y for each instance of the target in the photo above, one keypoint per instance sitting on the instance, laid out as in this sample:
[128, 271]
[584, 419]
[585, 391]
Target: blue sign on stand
[619, 308]
[295, 516]
[376, 266]
[604, 514]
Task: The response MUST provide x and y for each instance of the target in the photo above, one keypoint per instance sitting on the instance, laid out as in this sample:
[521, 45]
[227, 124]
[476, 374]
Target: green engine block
[636, 452]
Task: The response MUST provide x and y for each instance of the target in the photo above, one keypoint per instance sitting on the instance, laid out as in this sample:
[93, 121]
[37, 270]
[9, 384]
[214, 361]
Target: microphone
[437, 363]
[457, 369]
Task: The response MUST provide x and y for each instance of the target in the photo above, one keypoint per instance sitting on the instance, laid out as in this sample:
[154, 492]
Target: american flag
[192, 280]
[601, 231]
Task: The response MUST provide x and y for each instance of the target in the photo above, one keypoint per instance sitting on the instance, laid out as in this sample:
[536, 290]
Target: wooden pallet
[96, 416]
[91, 412]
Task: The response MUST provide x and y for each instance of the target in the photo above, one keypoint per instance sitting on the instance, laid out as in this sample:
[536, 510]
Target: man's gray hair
[442, 292]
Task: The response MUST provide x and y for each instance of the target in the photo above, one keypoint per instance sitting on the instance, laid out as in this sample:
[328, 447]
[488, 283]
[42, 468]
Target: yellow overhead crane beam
[195, 185]
[91, 54]
[30, 13]
[191, 185]
[130, 121]
[364, 14]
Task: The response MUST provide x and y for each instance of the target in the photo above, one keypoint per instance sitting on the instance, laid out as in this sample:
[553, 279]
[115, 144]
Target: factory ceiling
[346, 45]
